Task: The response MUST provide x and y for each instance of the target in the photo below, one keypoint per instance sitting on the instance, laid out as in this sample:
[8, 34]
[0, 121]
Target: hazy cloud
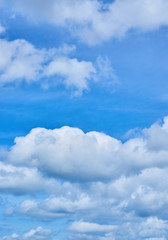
[95, 21]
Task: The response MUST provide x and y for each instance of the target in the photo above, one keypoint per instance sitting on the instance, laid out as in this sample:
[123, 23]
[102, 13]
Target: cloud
[156, 238]
[76, 73]
[95, 21]
[67, 152]
[127, 185]
[84, 227]
[53, 207]
[22, 180]
[153, 227]
[35, 234]
[21, 61]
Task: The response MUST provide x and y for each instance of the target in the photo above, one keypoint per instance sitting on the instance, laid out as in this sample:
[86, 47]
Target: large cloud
[95, 21]
[134, 198]
[69, 153]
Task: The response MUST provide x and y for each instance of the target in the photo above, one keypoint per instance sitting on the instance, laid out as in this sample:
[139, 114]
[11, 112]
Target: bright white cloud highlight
[95, 21]
[84, 227]
[21, 61]
[69, 153]
[22, 180]
[76, 74]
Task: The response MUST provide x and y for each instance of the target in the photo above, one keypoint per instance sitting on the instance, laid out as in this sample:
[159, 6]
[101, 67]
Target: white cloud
[135, 197]
[153, 227]
[35, 234]
[95, 21]
[71, 154]
[21, 61]
[54, 207]
[76, 73]
[84, 227]
[22, 180]
[67, 152]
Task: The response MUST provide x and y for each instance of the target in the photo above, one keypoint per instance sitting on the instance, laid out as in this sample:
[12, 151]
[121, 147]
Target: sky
[83, 120]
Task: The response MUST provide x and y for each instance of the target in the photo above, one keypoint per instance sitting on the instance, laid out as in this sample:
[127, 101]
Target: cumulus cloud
[153, 227]
[35, 234]
[69, 153]
[96, 21]
[21, 61]
[127, 188]
[76, 74]
[90, 227]
[22, 180]
[54, 207]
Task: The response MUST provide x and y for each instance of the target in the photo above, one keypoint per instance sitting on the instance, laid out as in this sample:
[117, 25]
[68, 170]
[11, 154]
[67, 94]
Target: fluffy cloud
[21, 61]
[134, 198]
[35, 234]
[54, 207]
[95, 21]
[153, 227]
[76, 74]
[90, 227]
[69, 153]
[22, 180]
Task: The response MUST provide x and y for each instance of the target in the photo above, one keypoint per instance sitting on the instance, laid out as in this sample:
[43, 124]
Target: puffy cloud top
[69, 153]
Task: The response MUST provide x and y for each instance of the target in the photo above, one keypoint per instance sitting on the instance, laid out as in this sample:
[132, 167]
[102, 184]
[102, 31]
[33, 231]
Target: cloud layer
[108, 186]
[95, 21]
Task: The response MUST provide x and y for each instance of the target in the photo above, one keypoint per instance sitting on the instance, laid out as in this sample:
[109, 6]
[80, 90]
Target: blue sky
[84, 126]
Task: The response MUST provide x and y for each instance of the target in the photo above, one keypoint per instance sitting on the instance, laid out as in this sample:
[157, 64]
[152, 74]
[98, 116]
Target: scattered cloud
[35, 234]
[57, 206]
[96, 21]
[84, 227]
[75, 73]
[20, 61]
